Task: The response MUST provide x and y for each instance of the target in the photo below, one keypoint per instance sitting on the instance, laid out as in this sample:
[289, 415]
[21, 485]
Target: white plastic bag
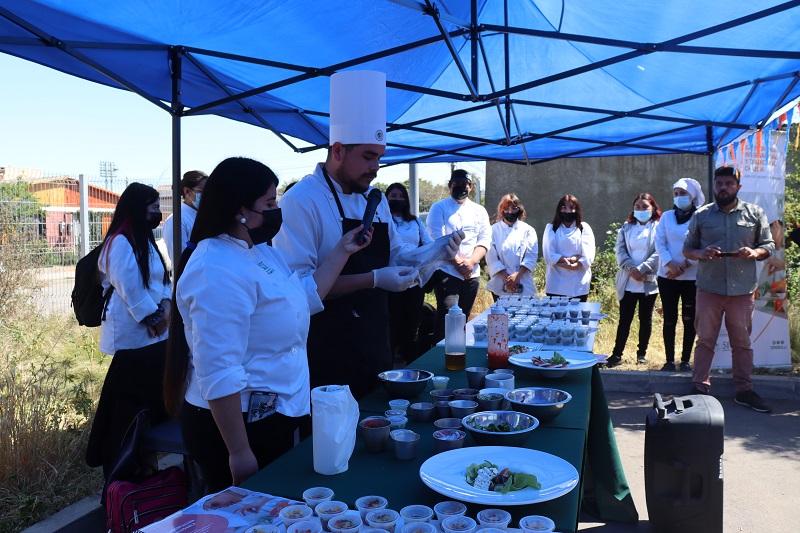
[334, 419]
[425, 260]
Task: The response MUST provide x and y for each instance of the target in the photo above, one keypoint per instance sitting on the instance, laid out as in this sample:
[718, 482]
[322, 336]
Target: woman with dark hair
[636, 280]
[192, 187]
[134, 328]
[514, 251]
[405, 307]
[237, 370]
[568, 248]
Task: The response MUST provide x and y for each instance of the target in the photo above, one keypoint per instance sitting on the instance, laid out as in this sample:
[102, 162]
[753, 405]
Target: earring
[242, 220]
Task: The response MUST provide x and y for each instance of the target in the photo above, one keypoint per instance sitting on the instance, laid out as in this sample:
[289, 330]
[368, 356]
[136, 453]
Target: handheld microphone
[373, 199]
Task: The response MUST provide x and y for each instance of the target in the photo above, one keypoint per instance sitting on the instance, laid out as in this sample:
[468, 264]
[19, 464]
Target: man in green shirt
[727, 237]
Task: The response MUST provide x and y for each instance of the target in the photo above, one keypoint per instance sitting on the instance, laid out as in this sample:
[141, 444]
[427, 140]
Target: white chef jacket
[512, 247]
[447, 216]
[130, 302]
[669, 244]
[568, 241]
[246, 318]
[638, 242]
[413, 232]
[312, 225]
[188, 214]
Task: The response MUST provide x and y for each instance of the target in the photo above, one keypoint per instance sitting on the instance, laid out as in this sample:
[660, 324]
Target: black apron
[348, 342]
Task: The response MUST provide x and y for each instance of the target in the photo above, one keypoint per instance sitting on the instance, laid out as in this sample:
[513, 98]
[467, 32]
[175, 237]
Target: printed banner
[761, 158]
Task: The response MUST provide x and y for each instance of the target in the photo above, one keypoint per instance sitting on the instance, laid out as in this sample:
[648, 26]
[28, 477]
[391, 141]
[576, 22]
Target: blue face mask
[683, 202]
[642, 216]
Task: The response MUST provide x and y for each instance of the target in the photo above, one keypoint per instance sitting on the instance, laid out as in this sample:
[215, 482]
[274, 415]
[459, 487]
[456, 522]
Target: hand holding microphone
[373, 200]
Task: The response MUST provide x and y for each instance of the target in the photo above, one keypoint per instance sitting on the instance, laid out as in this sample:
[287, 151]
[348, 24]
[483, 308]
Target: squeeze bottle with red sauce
[497, 326]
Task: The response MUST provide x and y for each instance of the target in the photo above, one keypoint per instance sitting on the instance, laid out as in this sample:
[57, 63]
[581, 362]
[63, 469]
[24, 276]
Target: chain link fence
[40, 229]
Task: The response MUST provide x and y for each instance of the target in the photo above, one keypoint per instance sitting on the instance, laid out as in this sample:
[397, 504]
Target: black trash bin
[683, 448]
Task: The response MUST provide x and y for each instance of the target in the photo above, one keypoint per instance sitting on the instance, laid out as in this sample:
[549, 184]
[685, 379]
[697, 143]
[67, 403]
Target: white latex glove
[393, 278]
[454, 243]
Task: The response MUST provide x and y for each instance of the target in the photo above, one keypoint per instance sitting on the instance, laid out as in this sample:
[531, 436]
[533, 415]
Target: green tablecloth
[581, 435]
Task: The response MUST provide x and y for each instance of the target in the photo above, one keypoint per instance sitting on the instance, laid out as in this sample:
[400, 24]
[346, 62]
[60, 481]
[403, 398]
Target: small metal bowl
[465, 394]
[542, 402]
[492, 401]
[421, 412]
[448, 423]
[500, 438]
[462, 408]
[405, 383]
[442, 394]
[448, 439]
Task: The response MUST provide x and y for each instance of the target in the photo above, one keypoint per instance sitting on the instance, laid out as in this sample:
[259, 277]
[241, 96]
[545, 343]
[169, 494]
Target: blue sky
[62, 124]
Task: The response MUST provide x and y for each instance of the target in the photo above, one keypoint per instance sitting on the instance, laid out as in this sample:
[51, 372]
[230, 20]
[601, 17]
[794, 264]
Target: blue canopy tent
[513, 80]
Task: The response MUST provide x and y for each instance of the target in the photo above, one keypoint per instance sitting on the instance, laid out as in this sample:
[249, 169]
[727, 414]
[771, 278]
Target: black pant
[405, 314]
[672, 290]
[627, 308]
[269, 439]
[447, 288]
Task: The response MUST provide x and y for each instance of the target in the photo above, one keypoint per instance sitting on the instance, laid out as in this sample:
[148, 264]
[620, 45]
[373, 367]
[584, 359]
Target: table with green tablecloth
[582, 435]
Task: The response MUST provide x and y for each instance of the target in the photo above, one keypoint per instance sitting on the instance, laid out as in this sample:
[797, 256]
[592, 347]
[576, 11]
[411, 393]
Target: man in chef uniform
[348, 343]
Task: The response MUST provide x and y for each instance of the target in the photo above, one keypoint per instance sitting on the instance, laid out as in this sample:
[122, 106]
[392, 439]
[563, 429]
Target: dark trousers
[269, 439]
[627, 308]
[447, 289]
[405, 314]
[671, 291]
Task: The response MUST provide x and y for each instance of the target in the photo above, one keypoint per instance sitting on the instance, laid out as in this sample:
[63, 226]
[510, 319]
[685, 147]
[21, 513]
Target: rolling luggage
[683, 449]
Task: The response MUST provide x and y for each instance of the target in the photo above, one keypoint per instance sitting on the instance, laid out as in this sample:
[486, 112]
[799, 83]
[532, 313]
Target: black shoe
[669, 366]
[641, 360]
[614, 360]
[701, 392]
[685, 366]
[750, 399]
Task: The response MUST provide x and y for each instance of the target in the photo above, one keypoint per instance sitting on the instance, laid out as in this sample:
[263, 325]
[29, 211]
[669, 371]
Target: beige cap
[358, 107]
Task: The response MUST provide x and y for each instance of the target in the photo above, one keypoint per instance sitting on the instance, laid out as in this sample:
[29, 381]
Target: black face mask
[459, 192]
[271, 221]
[397, 206]
[153, 219]
[569, 218]
[511, 217]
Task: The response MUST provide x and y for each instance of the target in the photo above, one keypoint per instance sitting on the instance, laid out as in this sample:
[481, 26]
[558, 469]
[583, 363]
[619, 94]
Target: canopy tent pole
[413, 189]
[710, 144]
[177, 192]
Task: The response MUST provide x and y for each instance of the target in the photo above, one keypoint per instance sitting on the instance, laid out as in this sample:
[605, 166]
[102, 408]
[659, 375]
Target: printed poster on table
[761, 158]
[233, 510]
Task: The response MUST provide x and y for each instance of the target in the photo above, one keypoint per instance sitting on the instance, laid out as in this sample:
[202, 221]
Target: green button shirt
[745, 225]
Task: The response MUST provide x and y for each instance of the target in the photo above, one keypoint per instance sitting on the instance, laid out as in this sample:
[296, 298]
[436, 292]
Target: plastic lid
[455, 310]
[497, 310]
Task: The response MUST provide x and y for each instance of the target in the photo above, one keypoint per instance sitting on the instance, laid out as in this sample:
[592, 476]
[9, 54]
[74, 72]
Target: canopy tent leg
[177, 192]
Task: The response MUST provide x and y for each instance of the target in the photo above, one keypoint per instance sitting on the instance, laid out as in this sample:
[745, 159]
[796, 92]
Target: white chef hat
[693, 188]
[358, 107]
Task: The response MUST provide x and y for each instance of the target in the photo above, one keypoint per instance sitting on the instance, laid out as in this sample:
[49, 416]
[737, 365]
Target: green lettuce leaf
[519, 481]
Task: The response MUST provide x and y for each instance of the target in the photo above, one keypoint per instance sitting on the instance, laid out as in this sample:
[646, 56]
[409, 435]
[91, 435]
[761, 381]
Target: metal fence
[40, 226]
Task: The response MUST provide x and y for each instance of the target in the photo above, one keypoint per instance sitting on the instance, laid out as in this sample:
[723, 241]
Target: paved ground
[761, 461]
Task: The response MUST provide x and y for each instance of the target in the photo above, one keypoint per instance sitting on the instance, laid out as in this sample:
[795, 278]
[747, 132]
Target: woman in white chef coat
[134, 327]
[405, 307]
[676, 274]
[636, 280]
[237, 367]
[568, 249]
[192, 187]
[512, 256]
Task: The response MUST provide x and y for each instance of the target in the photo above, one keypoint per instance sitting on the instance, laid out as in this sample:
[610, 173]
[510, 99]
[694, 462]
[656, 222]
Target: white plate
[445, 473]
[577, 360]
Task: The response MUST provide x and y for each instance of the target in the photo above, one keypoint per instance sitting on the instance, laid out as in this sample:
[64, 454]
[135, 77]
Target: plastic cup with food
[329, 509]
[496, 518]
[295, 513]
[365, 504]
[345, 523]
[416, 513]
[459, 524]
[449, 508]
[399, 405]
[536, 524]
[316, 495]
[385, 519]
[305, 526]
[419, 527]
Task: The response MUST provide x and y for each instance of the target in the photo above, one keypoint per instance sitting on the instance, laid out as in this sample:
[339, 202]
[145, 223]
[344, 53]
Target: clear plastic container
[455, 339]
[497, 324]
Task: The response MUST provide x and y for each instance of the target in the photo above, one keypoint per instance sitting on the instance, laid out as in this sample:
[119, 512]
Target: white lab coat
[131, 302]
[447, 216]
[669, 243]
[566, 242]
[246, 319]
[188, 215]
[512, 247]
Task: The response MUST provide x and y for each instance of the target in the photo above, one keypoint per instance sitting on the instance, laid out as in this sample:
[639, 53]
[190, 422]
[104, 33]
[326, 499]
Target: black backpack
[88, 301]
